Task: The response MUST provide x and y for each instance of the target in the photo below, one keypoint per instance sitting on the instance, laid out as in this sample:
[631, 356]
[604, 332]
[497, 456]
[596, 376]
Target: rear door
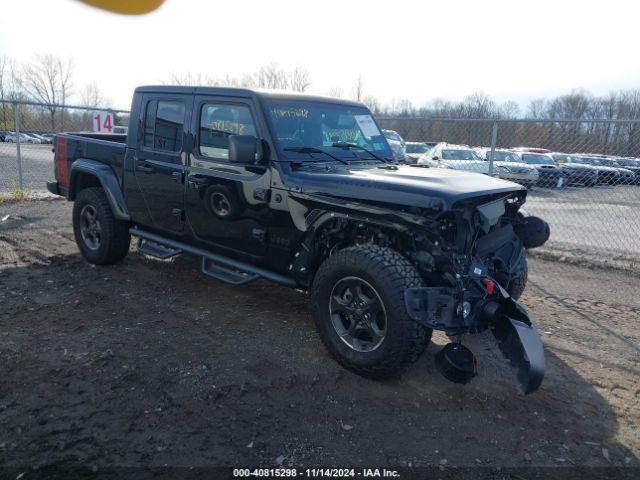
[160, 162]
[226, 203]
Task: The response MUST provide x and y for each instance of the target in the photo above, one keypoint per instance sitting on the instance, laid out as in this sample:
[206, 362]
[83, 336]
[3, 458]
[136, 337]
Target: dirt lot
[150, 363]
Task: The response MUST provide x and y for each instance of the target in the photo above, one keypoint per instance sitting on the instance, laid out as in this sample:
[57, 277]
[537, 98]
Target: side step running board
[234, 277]
[156, 250]
[234, 270]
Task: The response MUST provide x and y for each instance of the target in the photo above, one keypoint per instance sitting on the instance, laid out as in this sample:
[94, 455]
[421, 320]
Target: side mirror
[244, 149]
[435, 157]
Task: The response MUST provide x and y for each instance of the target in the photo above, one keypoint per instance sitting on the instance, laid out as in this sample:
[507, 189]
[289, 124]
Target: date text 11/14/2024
[316, 472]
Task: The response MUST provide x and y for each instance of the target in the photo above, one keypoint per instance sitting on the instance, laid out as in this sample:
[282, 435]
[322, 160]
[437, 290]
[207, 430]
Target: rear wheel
[359, 311]
[101, 238]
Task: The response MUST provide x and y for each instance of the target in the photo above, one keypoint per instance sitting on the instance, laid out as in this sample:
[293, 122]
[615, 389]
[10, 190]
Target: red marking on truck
[61, 163]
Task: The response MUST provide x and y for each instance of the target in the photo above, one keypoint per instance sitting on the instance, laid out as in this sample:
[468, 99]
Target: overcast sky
[418, 50]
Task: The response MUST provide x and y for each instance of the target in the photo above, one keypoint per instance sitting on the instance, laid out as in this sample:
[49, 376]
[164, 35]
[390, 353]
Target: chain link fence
[26, 136]
[583, 178]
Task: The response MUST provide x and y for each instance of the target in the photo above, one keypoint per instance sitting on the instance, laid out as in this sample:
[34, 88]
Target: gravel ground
[149, 363]
[602, 220]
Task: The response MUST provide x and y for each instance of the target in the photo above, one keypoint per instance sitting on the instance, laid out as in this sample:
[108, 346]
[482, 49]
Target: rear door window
[164, 125]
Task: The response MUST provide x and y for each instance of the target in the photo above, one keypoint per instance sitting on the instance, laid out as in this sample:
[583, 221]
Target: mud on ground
[150, 363]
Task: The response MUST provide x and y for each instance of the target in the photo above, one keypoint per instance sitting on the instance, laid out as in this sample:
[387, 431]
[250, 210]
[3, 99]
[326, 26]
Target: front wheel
[360, 314]
[101, 238]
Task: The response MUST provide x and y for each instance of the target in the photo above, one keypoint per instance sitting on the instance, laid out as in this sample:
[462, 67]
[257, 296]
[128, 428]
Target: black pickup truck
[303, 191]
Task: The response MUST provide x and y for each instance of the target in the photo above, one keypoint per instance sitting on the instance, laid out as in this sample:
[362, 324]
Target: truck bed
[107, 149]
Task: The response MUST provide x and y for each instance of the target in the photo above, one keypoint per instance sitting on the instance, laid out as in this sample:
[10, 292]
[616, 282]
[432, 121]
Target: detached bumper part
[521, 345]
[518, 340]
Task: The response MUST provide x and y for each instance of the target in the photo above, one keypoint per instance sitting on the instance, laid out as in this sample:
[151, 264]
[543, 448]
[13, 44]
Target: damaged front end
[470, 270]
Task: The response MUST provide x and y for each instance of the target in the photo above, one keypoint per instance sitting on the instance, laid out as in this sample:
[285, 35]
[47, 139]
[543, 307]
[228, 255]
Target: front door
[159, 165]
[226, 204]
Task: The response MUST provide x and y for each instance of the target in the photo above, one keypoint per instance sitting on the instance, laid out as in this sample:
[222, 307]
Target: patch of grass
[18, 194]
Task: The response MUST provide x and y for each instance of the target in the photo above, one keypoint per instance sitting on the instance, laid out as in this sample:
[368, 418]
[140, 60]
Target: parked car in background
[416, 149]
[626, 175]
[34, 138]
[507, 166]
[42, 138]
[550, 175]
[48, 136]
[632, 164]
[397, 144]
[577, 173]
[3, 134]
[457, 157]
[12, 137]
[531, 150]
[608, 174]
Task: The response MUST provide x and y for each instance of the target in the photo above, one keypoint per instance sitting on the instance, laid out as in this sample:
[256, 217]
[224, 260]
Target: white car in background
[457, 157]
[397, 145]
[507, 166]
[12, 137]
[416, 149]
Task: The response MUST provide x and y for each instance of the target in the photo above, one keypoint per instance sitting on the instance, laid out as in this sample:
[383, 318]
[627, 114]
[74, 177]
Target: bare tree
[190, 79]
[272, 76]
[358, 89]
[4, 81]
[335, 92]
[49, 80]
[372, 103]
[401, 107]
[299, 80]
[509, 109]
[92, 96]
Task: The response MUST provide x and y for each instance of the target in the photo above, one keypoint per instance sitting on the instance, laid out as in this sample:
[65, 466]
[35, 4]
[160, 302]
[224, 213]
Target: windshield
[296, 124]
[459, 154]
[502, 156]
[537, 159]
[416, 148]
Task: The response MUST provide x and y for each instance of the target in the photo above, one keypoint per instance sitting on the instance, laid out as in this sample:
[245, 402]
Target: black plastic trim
[221, 259]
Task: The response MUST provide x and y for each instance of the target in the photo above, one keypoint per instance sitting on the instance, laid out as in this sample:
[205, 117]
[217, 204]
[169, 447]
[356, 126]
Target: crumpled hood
[436, 188]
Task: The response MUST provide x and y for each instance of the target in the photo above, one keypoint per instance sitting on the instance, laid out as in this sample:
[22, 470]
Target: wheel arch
[341, 230]
[87, 173]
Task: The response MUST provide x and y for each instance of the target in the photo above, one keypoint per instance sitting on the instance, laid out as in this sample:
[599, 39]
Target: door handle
[198, 181]
[176, 176]
[145, 168]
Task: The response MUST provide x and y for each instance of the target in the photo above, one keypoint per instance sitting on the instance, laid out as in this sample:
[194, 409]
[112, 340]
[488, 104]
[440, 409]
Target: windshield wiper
[315, 150]
[348, 146]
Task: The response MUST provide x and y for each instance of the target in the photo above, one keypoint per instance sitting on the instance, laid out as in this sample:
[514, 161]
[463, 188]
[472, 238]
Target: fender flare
[108, 180]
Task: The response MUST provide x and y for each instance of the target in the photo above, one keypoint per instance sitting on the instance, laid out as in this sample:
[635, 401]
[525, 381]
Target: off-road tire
[390, 274]
[517, 285]
[115, 238]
